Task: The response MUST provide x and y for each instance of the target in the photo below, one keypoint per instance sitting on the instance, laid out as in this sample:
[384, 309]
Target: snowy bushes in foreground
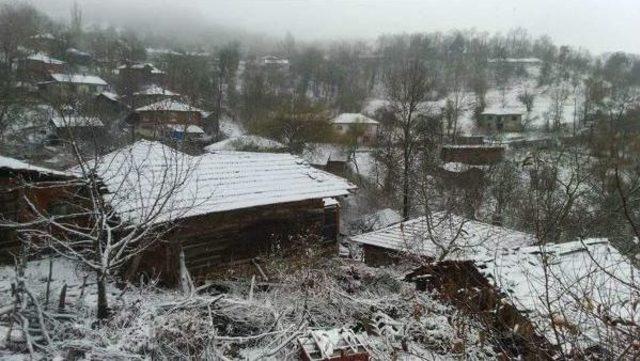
[259, 320]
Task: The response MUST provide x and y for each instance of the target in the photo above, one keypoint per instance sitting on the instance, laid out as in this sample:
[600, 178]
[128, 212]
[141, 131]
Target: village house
[39, 66]
[358, 125]
[274, 62]
[502, 119]
[550, 295]
[78, 57]
[109, 104]
[465, 168]
[78, 84]
[501, 276]
[45, 43]
[168, 118]
[230, 208]
[44, 188]
[76, 127]
[150, 94]
[135, 76]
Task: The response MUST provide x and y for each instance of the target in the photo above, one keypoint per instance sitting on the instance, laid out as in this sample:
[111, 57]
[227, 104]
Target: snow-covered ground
[245, 319]
[231, 128]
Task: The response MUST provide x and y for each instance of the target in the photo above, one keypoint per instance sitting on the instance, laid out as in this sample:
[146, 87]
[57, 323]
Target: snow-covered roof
[156, 51]
[76, 121]
[587, 281]
[155, 89]
[441, 233]
[169, 105]
[47, 36]
[516, 60]
[353, 118]
[471, 146]
[189, 128]
[45, 59]
[18, 165]
[77, 52]
[111, 96]
[271, 59]
[498, 110]
[457, 167]
[244, 142]
[78, 79]
[213, 182]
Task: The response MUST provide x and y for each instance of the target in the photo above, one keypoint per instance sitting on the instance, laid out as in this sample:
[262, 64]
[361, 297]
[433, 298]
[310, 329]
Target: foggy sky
[597, 25]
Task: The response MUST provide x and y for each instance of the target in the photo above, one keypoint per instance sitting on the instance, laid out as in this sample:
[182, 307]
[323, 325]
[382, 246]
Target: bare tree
[408, 83]
[112, 209]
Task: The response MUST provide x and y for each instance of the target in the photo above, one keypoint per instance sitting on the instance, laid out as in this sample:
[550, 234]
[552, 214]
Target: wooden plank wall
[213, 241]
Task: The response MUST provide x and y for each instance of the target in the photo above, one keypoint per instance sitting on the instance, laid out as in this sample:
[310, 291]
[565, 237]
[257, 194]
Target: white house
[365, 127]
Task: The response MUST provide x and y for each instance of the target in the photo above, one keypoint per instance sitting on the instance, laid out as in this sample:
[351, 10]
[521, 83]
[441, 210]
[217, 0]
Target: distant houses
[231, 206]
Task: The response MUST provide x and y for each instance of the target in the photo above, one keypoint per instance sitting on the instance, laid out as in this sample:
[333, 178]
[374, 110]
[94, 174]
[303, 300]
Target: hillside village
[430, 196]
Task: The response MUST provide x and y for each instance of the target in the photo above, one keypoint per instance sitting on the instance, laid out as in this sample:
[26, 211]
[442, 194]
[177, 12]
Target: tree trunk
[405, 179]
[103, 305]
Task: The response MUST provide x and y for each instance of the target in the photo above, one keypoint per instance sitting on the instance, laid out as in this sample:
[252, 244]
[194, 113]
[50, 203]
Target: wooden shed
[46, 189]
[231, 206]
[442, 235]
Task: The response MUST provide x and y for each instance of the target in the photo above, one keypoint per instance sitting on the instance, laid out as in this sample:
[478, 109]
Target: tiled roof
[580, 278]
[209, 183]
[156, 90]
[76, 121]
[78, 79]
[430, 237]
[45, 59]
[168, 105]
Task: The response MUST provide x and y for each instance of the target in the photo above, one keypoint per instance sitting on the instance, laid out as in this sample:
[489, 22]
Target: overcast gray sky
[598, 25]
